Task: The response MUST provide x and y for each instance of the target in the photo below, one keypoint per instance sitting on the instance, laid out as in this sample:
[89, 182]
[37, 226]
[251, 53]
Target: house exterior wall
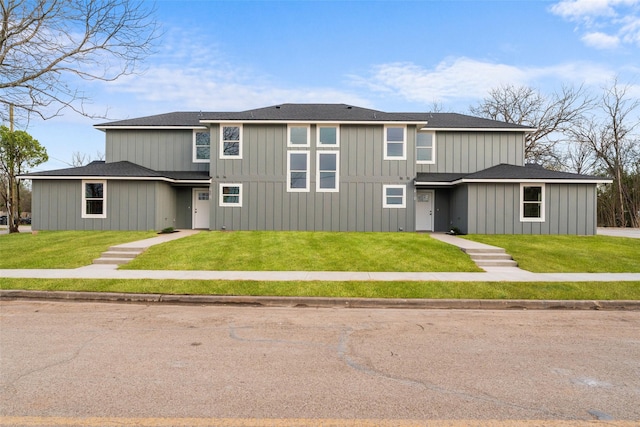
[459, 208]
[160, 150]
[468, 152]
[131, 205]
[495, 209]
[266, 204]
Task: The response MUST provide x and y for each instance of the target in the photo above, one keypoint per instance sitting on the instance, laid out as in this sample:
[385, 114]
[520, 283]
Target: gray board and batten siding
[131, 205]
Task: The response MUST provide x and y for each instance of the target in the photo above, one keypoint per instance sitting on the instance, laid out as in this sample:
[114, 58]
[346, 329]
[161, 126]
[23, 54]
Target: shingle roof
[507, 172]
[314, 113]
[123, 169]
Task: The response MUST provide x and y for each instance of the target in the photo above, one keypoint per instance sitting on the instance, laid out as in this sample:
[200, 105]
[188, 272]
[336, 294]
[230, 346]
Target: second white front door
[424, 210]
[201, 206]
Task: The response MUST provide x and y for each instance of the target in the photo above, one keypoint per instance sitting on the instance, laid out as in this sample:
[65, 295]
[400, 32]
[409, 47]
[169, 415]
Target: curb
[322, 302]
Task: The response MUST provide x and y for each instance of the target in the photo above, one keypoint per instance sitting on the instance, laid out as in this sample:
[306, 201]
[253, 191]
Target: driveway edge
[322, 302]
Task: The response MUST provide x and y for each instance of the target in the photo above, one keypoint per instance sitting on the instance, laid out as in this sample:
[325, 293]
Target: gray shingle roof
[123, 169]
[507, 172]
[314, 113]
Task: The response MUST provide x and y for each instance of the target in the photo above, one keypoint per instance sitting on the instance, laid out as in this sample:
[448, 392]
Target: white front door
[201, 206]
[424, 210]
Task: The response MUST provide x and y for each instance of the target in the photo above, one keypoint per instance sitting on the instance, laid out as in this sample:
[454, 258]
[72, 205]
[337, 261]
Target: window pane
[298, 135]
[231, 133]
[532, 210]
[230, 199]
[202, 138]
[395, 134]
[93, 191]
[395, 149]
[328, 162]
[424, 154]
[231, 190]
[298, 180]
[395, 191]
[298, 161]
[532, 194]
[328, 136]
[394, 200]
[231, 148]
[203, 196]
[94, 207]
[202, 153]
[424, 140]
[327, 180]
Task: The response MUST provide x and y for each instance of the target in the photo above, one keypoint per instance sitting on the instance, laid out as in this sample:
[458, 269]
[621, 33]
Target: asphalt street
[70, 363]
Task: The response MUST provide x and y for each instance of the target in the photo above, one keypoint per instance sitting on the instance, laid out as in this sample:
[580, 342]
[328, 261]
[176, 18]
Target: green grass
[408, 290]
[569, 254]
[304, 251]
[61, 249]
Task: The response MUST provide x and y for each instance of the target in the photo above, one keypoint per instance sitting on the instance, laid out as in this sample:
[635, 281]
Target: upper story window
[327, 175]
[532, 202]
[328, 136]
[201, 146]
[94, 199]
[426, 147]
[394, 196]
[298, 136]
[298, 171]
[230, 141]
[395, 142]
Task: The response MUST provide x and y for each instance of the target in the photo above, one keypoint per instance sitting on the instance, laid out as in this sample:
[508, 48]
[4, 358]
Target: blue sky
[386, 55]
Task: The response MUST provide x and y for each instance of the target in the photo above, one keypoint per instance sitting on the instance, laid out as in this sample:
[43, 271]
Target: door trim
[432, 196]
[194, 200]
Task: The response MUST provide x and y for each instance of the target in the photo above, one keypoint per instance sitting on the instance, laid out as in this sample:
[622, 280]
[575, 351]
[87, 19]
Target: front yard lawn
[304, 251]
[61, 249]
[568, 254]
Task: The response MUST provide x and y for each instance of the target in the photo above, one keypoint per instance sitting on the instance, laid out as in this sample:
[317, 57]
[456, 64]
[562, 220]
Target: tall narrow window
[298, 171]
[201, 146]
[327, 175]
[532, 203]
[94, 199]
[298, 136]
[425, 147]
[328, 136]
[231, 195]
[230, 142]
[395, 143]
[394, 196]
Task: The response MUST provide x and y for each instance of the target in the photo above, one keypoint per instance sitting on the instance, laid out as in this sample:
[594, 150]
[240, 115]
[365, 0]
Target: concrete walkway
[492, 274]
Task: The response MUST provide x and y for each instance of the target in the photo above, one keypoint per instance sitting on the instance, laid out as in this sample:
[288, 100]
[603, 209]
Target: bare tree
[45, 44]
[81, 159]
[552, 116]
[612, 136]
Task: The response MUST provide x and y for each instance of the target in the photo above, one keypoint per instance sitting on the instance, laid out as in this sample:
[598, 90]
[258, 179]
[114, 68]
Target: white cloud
[607, 23]
[461, 80]
[600, 40]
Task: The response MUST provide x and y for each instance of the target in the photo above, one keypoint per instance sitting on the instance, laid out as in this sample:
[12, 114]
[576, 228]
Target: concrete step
[125, 249]
[497, 263]
[481, 251]
[114, 254]
[481, 257]
[115, 261]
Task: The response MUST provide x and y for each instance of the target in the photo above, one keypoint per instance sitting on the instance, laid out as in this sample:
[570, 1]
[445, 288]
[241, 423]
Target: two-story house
[330, 167]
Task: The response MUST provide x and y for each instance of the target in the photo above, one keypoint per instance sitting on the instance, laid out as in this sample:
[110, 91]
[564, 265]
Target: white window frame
[221, 201]
[290, 144]
[394, 206]
[195, 147]
[337, 171]
[104, 198]
[542, 202]
[329, 126]
[308, 171]
[404, 142]
[433, 149]
[221, 141]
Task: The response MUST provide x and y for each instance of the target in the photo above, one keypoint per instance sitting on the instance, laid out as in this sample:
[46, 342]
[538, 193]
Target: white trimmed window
[532, 202]
[426, 147]
[395, 142]
[297, 171]
[230, 141]
[201, 146]
[298, 136]
[393, 196]
[231, 195]
[327, 175]
[328, 136]
[94, 199]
